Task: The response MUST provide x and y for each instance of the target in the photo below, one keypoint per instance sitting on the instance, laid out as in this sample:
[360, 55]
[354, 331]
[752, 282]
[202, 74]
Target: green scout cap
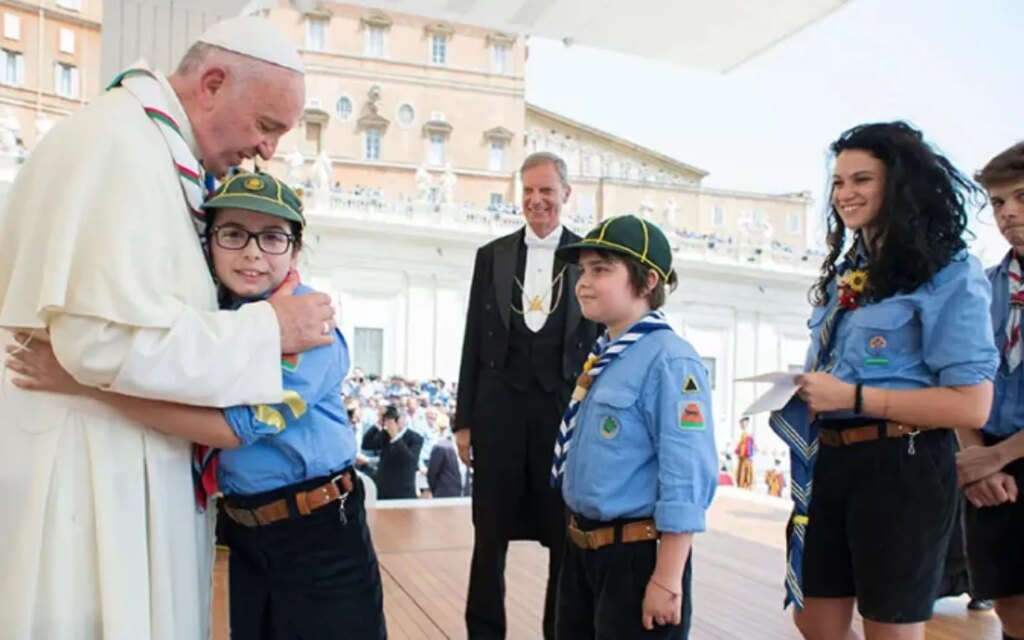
[630, 236]
[260, 192]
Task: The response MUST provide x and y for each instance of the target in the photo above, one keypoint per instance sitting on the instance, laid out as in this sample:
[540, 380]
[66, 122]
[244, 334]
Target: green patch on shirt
[609, 428]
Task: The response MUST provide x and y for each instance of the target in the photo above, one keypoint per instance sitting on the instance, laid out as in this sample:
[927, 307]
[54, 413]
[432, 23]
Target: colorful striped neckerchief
[801, 436]
[142, 82]
[604, 353]
[1012, 350]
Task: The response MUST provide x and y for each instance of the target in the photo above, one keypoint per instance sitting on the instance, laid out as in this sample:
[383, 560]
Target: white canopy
[706, 34]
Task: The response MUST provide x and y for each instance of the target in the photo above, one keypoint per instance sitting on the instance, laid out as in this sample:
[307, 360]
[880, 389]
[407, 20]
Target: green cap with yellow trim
[260, 192]
[630, 236]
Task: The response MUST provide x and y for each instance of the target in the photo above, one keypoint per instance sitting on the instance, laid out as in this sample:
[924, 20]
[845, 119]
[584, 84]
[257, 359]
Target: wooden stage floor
[425, 552]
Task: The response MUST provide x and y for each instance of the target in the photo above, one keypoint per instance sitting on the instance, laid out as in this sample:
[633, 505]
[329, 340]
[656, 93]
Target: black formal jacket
[399, 462]
[443, 475]
[485, 345]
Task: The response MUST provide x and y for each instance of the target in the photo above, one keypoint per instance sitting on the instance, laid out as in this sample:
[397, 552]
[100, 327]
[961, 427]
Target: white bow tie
[550, 242]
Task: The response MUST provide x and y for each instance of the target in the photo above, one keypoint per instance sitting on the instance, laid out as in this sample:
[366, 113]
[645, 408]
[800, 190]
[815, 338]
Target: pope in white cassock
[100, 536]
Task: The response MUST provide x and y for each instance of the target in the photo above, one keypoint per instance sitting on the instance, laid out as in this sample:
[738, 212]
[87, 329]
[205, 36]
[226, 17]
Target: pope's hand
[305, 321]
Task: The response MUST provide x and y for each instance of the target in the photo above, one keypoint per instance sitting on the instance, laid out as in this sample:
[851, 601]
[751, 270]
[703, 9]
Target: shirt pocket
[615, 420]
[817, 316]
[881, 339]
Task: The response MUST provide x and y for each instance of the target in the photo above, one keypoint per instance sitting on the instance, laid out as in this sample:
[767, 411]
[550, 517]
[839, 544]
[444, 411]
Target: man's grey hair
[546, 157]
[200, 54]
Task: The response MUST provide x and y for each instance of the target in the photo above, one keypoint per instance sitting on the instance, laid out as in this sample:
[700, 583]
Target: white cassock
[99, 535]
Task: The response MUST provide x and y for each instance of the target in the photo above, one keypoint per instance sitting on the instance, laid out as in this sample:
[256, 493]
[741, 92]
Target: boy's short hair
[638, 278]
[640, 245]
[1005, 168]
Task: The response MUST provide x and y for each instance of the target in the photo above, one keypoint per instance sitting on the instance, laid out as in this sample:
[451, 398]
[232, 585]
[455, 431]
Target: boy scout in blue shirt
[636, 451]
[991, 465]
[302, 563]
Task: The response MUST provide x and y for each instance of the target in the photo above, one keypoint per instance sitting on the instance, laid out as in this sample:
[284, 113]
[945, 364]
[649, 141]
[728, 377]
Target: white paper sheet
[783, 388]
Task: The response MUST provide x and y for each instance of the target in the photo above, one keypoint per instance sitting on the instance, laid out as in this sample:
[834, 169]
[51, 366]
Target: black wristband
[858, 399]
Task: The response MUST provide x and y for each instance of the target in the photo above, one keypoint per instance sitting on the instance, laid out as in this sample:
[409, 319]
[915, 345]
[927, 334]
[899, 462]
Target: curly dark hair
[922, 220]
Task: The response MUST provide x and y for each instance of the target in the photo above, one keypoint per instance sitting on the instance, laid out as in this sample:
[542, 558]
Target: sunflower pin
[851, 288]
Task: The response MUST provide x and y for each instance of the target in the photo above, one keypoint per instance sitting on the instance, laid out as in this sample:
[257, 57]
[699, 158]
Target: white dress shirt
[537, 276]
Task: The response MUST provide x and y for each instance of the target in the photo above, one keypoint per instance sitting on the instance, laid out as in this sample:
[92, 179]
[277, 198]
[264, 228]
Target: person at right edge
[991, 464]
[901, 355]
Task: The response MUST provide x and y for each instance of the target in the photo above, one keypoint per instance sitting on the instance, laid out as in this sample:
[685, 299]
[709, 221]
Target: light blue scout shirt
[937, 336]
[307, 436]
[1007, 416]
[644, 442]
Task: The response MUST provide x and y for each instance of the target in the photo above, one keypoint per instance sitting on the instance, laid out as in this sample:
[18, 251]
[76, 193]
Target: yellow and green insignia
[691, 386]
[295, 402]
[609, 428]
[254, 184]
[691, 416]
[290, 362]
[270, 416]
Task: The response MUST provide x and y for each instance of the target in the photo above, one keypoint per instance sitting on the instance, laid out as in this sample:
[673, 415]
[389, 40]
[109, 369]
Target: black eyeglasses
[237, 238]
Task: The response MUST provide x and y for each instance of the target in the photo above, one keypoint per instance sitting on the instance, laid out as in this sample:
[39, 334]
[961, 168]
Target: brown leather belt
[867, 433]
[306, 501]
[639, 531]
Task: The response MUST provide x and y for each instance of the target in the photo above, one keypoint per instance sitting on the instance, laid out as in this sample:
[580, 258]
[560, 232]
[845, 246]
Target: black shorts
[601, 592]
[879, 524]
[312, 577]
[995, 543]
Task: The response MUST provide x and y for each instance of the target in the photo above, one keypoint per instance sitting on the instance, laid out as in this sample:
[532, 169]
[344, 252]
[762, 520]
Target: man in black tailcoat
[525, 343]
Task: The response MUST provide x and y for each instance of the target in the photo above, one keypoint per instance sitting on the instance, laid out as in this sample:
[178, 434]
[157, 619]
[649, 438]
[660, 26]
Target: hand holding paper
[784, 386]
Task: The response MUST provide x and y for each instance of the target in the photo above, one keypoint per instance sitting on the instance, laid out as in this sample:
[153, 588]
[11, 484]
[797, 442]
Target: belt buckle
[579, 537]
[339, 483]
[244, 517]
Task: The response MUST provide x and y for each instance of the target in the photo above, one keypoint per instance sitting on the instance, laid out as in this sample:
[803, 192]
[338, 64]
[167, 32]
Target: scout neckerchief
[604, 353]
[1012, 351]
[803, 441]
[140, 81]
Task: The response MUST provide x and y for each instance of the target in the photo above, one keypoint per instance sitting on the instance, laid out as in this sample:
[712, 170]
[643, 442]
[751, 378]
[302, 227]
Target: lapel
[572, 274]
[506, 251]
